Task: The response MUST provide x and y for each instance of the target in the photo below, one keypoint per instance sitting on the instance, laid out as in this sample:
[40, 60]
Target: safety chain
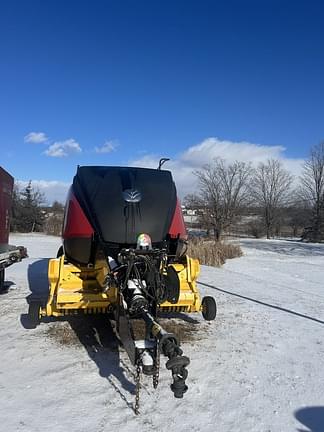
[138, 388]
[157, 369]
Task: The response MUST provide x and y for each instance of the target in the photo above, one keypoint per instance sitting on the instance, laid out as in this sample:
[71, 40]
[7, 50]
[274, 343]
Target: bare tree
[54, 220]
[312, 190]
[270, 188]
[192, 201]
[223, 191]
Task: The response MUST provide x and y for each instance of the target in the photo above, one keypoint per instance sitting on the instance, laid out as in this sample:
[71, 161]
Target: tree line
[226, 190]
[29, 212]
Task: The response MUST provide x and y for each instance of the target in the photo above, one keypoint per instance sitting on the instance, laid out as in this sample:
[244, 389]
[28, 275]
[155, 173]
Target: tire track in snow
[280, 308]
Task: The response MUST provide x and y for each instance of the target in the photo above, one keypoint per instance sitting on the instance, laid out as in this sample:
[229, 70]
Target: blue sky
[126, 82]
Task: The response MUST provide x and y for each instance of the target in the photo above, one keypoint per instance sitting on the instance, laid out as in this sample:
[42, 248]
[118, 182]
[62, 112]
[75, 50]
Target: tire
[209, 308]
[34, 314]
[60, 252]
[2, 279]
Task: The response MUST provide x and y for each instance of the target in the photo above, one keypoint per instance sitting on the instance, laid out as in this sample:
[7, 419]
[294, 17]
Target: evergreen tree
[27, 214]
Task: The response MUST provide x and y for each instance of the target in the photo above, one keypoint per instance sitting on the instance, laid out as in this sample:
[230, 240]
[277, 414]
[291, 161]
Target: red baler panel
[178, 227]
[6, 186]
[76, 223]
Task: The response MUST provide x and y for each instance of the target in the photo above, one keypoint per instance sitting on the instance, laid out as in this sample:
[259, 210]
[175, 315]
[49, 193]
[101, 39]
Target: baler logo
[132, 196]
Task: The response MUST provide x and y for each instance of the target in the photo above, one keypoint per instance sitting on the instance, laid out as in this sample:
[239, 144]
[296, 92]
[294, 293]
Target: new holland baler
[124, 255]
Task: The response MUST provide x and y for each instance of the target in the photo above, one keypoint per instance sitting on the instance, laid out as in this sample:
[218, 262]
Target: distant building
[191, 216]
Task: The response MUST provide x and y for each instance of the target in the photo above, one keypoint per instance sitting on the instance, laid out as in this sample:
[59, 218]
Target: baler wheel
[34, 313]
[209, 308]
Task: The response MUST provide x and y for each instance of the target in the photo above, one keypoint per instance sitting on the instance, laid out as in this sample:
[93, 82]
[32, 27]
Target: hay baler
[124, 255]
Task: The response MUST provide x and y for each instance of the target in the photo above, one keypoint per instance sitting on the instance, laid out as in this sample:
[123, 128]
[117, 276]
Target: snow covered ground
[258, 367]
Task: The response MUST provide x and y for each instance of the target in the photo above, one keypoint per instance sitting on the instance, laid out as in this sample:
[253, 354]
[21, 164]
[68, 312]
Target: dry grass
[183, 330]
[82, 332]
[63, 334]
[212, 253]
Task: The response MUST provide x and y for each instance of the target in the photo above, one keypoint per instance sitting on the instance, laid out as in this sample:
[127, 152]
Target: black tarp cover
[123, 202]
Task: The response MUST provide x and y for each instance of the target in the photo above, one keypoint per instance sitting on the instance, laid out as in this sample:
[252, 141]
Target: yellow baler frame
[74, 289]
[189, 298]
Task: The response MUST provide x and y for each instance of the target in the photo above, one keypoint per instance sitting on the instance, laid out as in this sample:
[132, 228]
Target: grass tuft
[212, 253]
[63, 334]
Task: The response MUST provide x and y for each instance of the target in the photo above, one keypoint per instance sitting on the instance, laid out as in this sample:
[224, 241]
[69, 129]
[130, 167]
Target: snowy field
[257, 368]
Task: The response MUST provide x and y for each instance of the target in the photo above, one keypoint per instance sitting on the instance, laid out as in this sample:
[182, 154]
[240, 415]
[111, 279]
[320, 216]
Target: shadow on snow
[286, 247]
[312, 418]
[94, 332]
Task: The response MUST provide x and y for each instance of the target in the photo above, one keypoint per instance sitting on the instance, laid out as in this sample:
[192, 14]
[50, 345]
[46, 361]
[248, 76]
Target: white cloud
[63, 148]
[211, 148]
[183, 165]
[53, 190]
[36, 138]
[107, 147]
